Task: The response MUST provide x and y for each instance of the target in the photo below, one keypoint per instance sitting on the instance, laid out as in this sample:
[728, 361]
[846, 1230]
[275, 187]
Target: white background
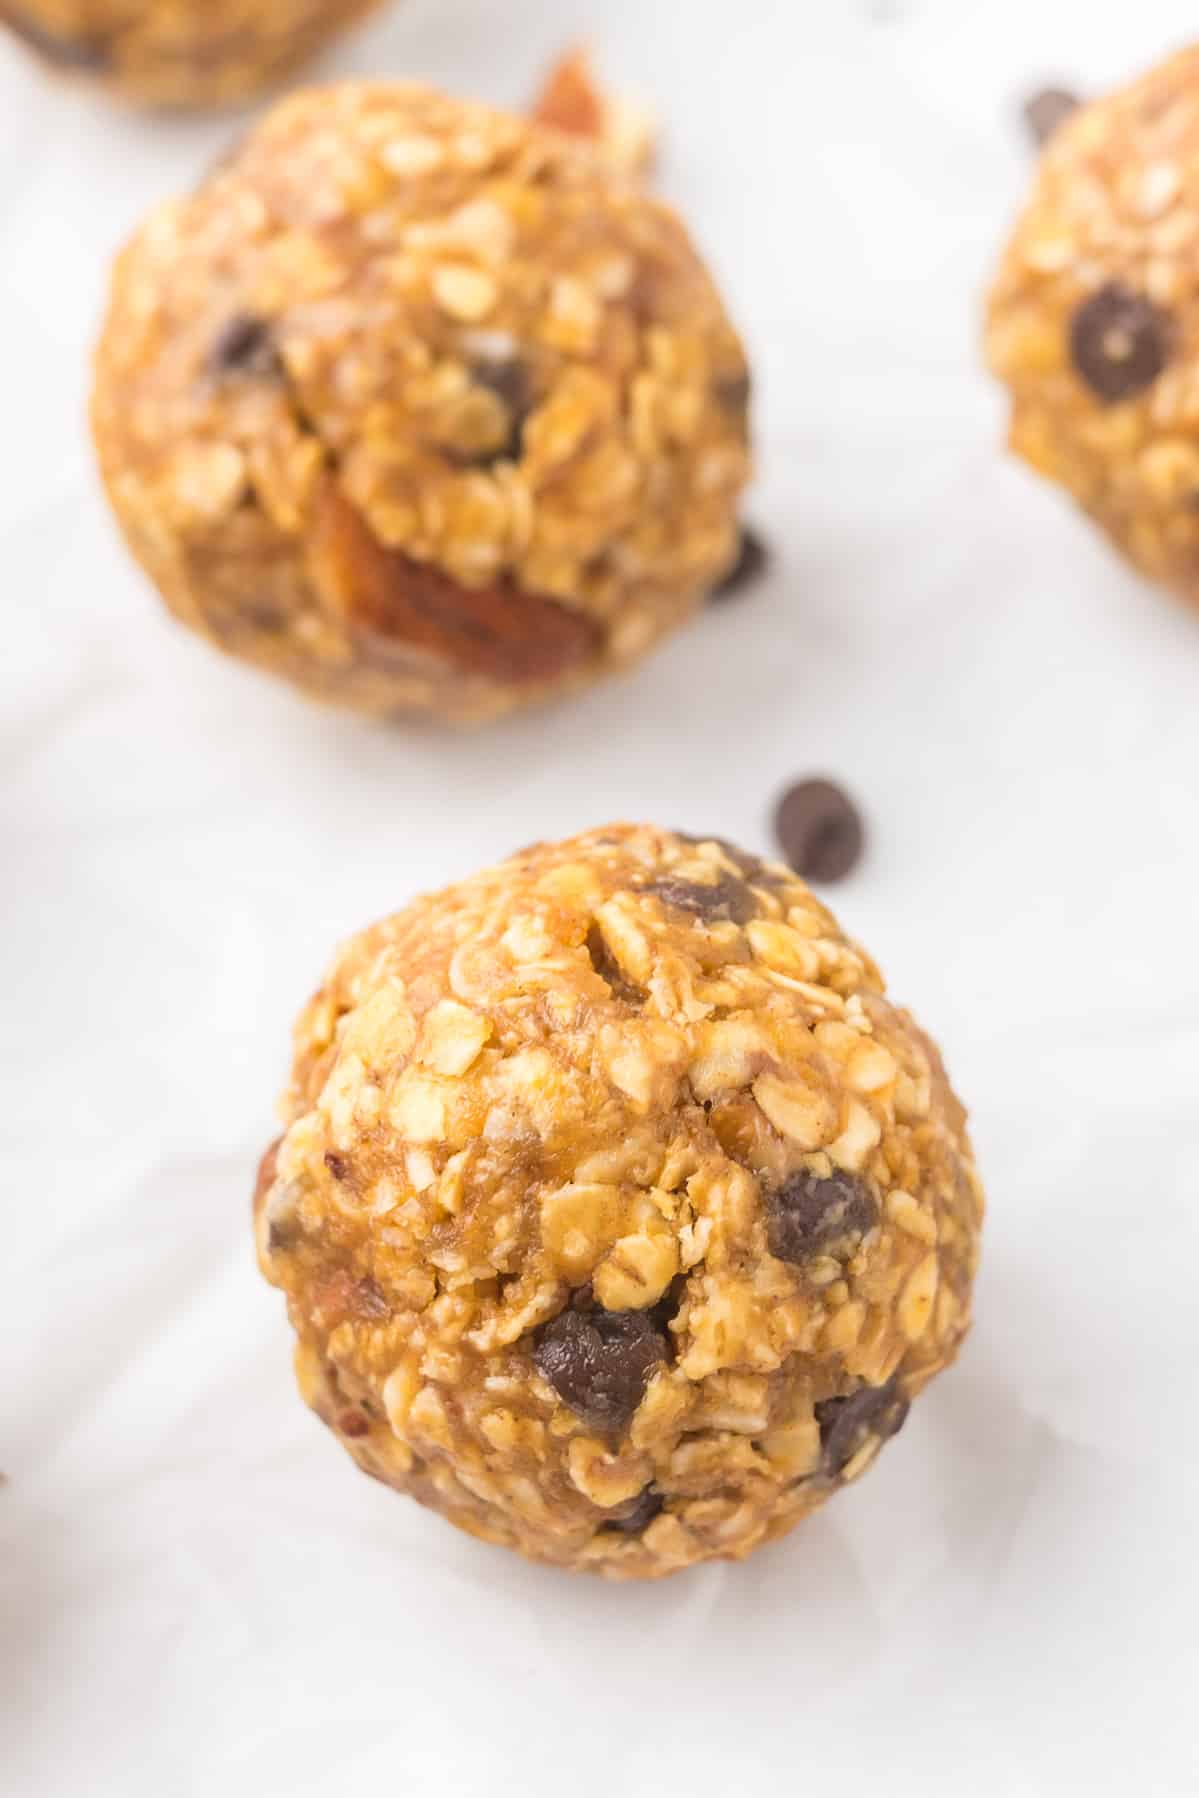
[200, 1594]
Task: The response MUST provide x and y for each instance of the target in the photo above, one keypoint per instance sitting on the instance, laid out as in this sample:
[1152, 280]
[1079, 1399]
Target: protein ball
[620, 1215]
[1094, 319]
[179, 53]
[425, 407]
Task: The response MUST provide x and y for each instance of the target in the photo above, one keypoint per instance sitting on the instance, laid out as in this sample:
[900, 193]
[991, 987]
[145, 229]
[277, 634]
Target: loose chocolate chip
[599, 1362]
[336, 1164]
[810, 1216]
[819, 830]
[637, 1515]
[245, 345]
[846, 1423]
[753, 559]
[84, 51]
[1046, 110]
[1119, 342]
[726, 898]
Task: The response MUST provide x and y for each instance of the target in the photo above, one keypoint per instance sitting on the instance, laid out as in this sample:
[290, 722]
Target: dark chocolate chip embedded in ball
[1046, 110]
[510, 381]
[1119, 342]
[846, 1424]
[819, 829]
[752, 561]
[599, 1362]
[726, 899]
[245, 345]
[636, 1516]
[609, 969]
[811, 1215]
[733, 391]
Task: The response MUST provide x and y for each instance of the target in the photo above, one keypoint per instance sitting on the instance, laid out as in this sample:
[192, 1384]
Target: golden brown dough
[1093, 323]
[424, 407]
[620, 1215]
[179, 53]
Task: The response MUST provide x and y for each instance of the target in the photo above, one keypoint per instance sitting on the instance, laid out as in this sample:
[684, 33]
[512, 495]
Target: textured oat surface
[179, 53]
[202, 1593]
[1094, 318]
[422, 406]
[619, 1214]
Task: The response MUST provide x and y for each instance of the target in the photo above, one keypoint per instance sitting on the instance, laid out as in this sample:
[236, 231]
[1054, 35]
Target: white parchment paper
[200, 1594]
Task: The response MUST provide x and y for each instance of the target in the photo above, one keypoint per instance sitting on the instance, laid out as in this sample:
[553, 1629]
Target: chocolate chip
[1119, 342]
[819, 830]
[1045, 111]
[245, 345]
[85, 50]
[722, 900]
[846, 1423]
[753, 559]
[610, 970]
[336, 1164]
[733, 393]
[810, 1216]
[599, 1362]
[511, 382]
[637, 1515]
[353, 1423]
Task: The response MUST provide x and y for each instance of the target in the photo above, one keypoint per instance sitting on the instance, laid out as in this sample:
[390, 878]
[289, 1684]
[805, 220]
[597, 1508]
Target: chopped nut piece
[572, 100]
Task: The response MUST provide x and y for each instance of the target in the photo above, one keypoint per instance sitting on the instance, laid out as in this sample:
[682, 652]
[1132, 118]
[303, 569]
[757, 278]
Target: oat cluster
[423, 406]
[619, 1213]
[179, 53]
[1094, 319]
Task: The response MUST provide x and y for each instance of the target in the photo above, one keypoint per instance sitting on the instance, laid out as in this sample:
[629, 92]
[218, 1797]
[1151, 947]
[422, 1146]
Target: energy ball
[619, 1213]
[179, 53]
[425, 407]
[1094, 319]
